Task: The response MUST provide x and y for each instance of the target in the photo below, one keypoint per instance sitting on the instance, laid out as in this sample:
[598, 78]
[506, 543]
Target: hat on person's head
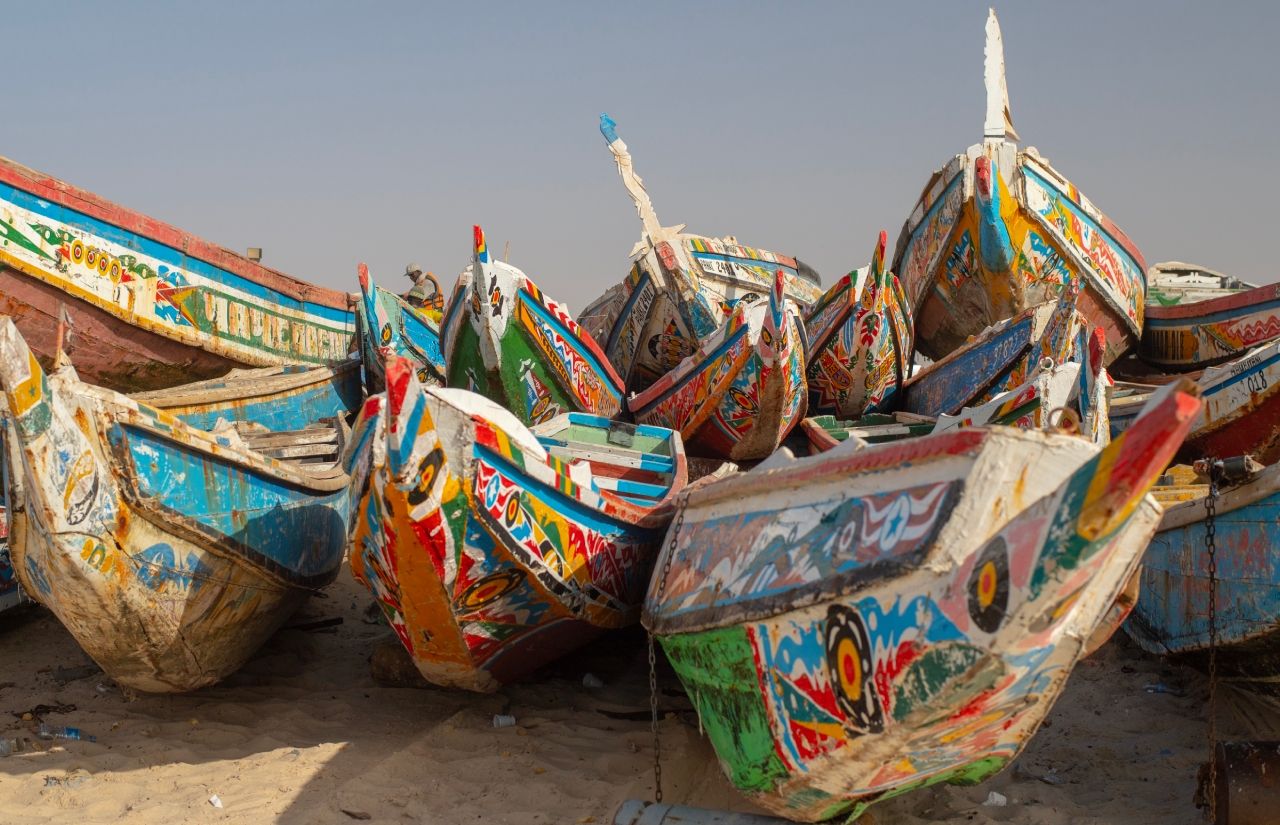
[412, 269]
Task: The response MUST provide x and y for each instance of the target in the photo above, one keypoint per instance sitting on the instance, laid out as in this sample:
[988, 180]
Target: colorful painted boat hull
[280, 399]
[864, 623]
[390, 326]
[1001, 358]
[491, 550]
[1191, 336]
[742, 391]
[1036, 405]
[1241, 414]
[169, 553]
[508, 341]
[1172, 614]
[997, 231]
[149, 306]
[682, 287]
[825, 432]
[859, 342]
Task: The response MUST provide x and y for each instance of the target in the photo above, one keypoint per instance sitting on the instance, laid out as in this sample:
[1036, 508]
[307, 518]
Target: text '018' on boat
[493, 548]
[505, 339]
[998, 230]
[925, 597]
[160, 306]
[1241, 412]
[171, 552]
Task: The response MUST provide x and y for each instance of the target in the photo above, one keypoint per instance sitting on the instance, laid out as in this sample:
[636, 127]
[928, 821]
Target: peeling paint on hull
[1191, 336]
[860, 342]
[169, 553]
[493, 549]
[390, 326]
[862, 623]
[742, 391]
[153, 306]
[508, 341]
[1172, 614]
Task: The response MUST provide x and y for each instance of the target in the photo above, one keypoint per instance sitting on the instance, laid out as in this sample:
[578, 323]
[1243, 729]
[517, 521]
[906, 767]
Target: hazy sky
[334, 132]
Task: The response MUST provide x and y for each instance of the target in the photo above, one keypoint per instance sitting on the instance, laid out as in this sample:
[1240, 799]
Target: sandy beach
[304, 734]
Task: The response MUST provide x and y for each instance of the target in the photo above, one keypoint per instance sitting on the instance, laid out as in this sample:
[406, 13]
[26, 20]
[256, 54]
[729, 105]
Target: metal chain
[668, 552]
[1211, 546]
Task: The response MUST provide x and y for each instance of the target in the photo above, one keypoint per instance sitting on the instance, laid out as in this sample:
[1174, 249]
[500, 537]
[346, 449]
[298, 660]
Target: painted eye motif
[989, 586]
[851, 669]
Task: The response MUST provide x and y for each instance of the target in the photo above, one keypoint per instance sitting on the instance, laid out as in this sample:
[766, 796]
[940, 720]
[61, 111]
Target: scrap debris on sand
[304, 734]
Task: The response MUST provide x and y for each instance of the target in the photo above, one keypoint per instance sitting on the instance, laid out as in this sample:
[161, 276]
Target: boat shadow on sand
[304, 734]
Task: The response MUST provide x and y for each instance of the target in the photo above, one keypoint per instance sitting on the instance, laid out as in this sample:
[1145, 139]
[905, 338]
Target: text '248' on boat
[860, 342]
[863, 622]
[493, 548]
[171, 552]
[998, 230]
[681, 288]
[161, 307]
[389, 325]
[509, 341]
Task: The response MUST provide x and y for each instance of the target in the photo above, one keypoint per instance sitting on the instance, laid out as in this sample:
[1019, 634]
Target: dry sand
[303, 734]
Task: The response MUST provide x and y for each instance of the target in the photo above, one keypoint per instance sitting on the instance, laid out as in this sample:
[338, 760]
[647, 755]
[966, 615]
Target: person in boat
[425, 292]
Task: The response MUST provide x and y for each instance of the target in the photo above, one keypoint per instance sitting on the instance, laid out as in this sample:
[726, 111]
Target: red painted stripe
[1239, 300]
[72, 197]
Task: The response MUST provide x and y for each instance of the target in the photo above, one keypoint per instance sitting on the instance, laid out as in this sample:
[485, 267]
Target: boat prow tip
[608, 128]
[399, 377]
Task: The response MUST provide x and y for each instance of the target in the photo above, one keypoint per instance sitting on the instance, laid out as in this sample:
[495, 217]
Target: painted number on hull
[1256, 382]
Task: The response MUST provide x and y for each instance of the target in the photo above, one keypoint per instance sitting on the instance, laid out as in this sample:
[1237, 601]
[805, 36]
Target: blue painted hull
[1172, 613]
[316, 394]
[947, 386]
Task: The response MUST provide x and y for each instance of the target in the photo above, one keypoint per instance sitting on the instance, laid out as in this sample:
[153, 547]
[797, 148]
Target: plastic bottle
[47, 732]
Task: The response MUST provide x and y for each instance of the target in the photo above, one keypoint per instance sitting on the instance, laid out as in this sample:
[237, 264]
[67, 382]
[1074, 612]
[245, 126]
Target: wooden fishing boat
[279, 399]
[859, 342]
[739, 394]
[1037, 405]
[1191, 336]
[149, 306]
[507, 340]
[1172, 614]
[824, 432]
[999, 359]
[1173, 282]
[169, 552]
[682, 287]
[1241, 414]
[388, 324]
[862, 623]
[491, 548]
[998, 230]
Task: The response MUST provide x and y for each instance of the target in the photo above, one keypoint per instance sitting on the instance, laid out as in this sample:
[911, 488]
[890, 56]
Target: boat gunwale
[185, 395]
[1200, 311]
[1230, 499]
[95, 206]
